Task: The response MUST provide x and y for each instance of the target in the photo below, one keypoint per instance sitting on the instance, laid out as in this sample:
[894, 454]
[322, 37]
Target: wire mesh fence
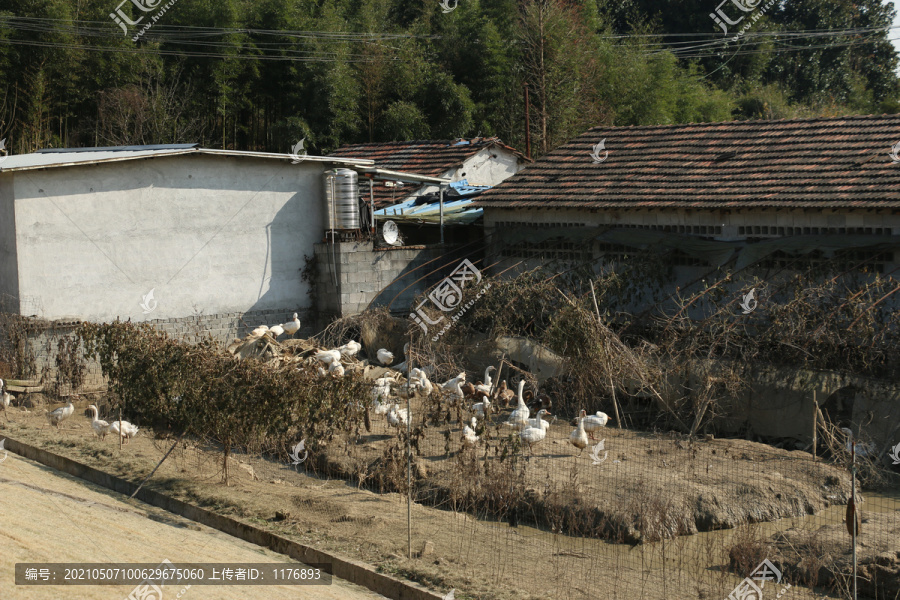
[643, 477]
[496, 512]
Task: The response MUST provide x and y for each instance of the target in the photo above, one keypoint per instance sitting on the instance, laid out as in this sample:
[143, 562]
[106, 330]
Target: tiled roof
[387, 196]
[424, 157]
[831, 162]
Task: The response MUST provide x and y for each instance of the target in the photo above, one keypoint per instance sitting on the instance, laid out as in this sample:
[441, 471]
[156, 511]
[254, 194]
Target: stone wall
[44, 338]
[780, 402]
[721, 225]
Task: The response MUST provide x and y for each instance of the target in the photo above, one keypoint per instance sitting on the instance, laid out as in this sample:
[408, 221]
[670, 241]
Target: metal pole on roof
[372, 201]
[442, 214]
[527, 124]
[334, 277]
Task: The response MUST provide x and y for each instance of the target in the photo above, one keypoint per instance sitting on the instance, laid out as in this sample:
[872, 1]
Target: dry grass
[482, 558]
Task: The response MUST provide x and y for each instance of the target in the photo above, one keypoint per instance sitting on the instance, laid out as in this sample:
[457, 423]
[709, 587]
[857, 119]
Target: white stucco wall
[9, 281]
[490, 166]
[210, 234]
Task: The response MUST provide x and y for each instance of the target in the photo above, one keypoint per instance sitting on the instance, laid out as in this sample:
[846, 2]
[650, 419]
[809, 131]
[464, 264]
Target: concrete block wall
[354, 275]
[225, 327]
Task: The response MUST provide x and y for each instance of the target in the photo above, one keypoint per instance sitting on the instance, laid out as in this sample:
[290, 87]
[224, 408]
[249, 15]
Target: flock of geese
[56, 417]
[289, 328]
[481, 399]
[101, 428]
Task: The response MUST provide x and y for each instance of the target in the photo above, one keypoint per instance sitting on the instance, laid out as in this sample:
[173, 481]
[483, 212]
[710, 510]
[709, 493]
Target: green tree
[559, 66]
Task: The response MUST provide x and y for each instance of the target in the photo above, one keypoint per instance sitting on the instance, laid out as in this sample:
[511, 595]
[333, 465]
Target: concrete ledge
[345, 568]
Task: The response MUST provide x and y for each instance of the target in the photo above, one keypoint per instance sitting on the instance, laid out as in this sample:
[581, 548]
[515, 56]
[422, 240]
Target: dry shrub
[748, 550]
[198, 390]
[70, 363]
[652, 334]
[17, 352]
[389, 473]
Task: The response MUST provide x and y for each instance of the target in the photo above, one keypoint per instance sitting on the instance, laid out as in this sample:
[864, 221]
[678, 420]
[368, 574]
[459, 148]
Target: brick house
[758, 192]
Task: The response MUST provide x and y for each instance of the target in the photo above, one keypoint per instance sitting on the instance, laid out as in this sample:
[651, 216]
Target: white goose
[594, 422]
[538, 420]
[336, 369]
[259, 331]
[276, 330]
[397, 416]
[456, 394]
[403, 367]
[450, 384]
[128, 430]
[5, 399]
[481, 408]
[100, 427]
[385, 357]
[291, 327]
[350, 348]
[381, 391]
[862, 449]
[487, 386]
[519, 417]
[328, 356]
[578, 437]
[61, 414]
[532, 435]
[381, 408]
[468, 436]
[419, 380]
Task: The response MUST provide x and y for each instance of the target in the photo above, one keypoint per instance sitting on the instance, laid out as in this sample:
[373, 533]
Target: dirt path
[49, 516]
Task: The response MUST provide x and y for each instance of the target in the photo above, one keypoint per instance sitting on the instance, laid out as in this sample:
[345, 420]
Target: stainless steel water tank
[341, 200]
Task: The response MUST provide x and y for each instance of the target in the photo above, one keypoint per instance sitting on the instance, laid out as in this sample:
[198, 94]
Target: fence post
[815, 425]
[409, 367]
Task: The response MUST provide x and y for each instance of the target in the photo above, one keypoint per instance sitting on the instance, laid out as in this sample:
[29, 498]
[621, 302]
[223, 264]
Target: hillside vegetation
[262, 74]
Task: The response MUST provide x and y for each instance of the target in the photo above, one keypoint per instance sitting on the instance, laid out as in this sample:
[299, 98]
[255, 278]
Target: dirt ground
[49, 516]
[649, 487]
[681, 487]
[822, 556]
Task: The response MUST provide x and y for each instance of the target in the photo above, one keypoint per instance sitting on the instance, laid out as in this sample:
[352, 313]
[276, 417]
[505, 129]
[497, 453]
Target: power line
[332, 57]
[211, 42]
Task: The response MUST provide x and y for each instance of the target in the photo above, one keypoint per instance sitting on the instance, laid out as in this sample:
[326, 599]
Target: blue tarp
[456, 210]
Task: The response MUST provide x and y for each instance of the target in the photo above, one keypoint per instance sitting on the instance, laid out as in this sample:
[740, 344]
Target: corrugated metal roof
[81, 156]
[119, 148]
[389, 175]
[805, 163]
